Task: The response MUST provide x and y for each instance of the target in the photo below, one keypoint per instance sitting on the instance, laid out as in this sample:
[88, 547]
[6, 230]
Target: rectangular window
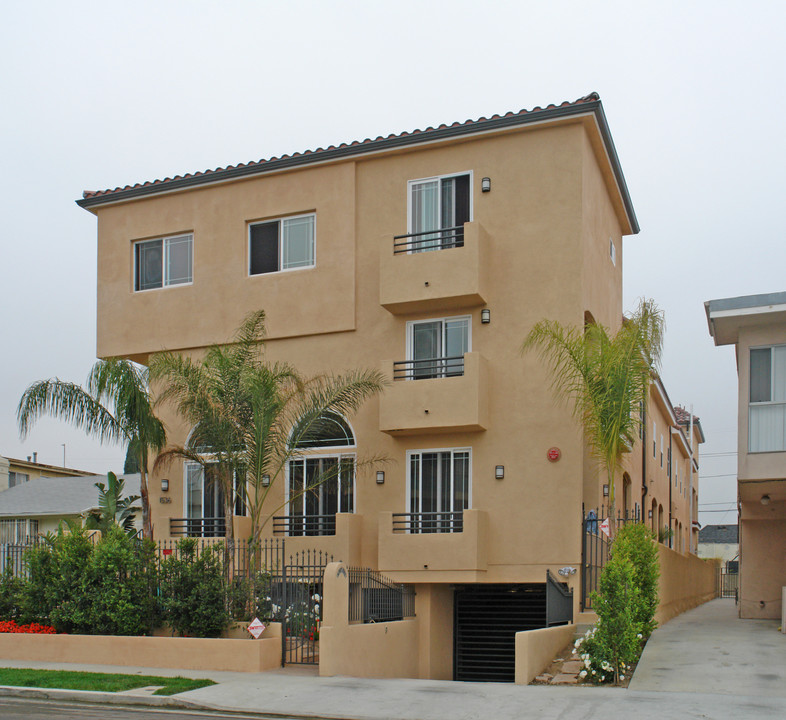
[438, 209]
[612, 251]
[17, 478]
[767, 410]
[439, 489]
[435, 348]
[654, 439]
[317, 489]
[286, 244]
[204, 501]
[163, 262]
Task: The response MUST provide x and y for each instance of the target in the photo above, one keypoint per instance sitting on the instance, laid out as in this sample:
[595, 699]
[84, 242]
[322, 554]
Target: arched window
[330, 430]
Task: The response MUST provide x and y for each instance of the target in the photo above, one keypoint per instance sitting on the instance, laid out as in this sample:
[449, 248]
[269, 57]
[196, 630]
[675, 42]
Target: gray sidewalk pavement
[704, 664]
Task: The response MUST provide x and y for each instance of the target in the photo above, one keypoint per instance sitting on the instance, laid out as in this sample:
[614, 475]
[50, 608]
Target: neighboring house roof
[58, 496]
[719, 534]
[683, 418]
[584, 105]
[43, 467]
[726, 316]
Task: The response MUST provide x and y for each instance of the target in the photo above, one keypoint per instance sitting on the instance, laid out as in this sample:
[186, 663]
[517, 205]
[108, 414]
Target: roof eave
[385, 144]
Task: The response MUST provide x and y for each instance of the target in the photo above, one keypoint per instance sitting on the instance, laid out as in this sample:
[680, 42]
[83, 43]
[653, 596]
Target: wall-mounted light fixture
[499, 472]
[380, 477]
[266, 481]
[485, 316]
[605, 491]
[649, 514]
[765, 499]
[164, 484]
[485, 184]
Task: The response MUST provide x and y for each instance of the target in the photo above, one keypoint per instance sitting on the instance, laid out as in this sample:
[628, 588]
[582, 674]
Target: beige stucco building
[756, 326]
[429, 255]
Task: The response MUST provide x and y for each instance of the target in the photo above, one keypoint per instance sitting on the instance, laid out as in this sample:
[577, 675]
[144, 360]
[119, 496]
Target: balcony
[336, 535]
[433, 396]
[414, 545]
[425, 271]
[205, 527]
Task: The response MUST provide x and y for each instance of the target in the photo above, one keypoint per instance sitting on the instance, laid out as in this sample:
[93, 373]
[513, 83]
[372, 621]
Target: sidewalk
[704, 664]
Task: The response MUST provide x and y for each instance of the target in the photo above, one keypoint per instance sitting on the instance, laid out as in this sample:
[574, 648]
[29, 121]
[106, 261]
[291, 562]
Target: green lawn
[107, 682]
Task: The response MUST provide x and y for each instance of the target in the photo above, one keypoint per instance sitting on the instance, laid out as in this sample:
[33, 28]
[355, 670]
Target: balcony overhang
[438, 405]
[447, 279]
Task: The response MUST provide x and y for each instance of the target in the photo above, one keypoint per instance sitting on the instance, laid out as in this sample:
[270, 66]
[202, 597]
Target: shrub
[11, 588]
[637, 544]
[119, 578]
[37, 595]
[192, 588]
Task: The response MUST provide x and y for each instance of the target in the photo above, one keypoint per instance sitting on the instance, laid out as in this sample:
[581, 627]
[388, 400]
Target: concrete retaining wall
[535, 649]
[247, 655]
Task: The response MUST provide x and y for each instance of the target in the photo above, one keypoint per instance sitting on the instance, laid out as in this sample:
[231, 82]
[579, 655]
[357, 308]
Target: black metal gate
[486, 619]
[727, 581]
[299, 588]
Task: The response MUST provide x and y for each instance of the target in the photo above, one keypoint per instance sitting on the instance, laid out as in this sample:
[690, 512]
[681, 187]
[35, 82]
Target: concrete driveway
[710, 650]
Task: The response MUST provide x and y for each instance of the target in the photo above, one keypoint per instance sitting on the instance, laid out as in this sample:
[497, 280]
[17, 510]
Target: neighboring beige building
[719, 541]
[430, 255]
[15, 472]
[756, 326]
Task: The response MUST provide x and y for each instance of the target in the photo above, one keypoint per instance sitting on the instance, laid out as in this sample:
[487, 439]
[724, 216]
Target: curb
[96, 696]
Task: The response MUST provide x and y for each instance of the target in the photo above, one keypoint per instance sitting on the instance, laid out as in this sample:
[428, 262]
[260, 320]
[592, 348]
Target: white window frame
[451, 450]
[764, 403]
[410, 348]
[281, 220]
[446, 176]
[189, 463]
[165, 241]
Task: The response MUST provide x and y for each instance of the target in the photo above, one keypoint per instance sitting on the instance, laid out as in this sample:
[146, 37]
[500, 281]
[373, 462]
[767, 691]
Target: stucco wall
[159, 652]
[685, 582]
[535, 649]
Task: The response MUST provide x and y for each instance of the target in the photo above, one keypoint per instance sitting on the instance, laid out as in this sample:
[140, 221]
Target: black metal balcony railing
[429, 368]
[442, 239]
[428, 522]
[308, 525]
[197, 527]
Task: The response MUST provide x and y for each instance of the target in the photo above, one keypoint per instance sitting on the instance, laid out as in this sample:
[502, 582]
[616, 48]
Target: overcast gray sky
[101, 94]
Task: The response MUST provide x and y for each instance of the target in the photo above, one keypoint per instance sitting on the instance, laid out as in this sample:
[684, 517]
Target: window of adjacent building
[285, 244]
[439, 487]
[767, 420]
[654, 439]
[438, 209]
[612, 251]
[15, 531]
[321, 484]
[17, 478]
[435, 348]
[163, 262]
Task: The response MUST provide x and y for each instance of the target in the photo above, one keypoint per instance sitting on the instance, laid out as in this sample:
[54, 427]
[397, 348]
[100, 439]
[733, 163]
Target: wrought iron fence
[442, 239]
[429, 368]
[428, 522]
[595, 548]
[376, 598]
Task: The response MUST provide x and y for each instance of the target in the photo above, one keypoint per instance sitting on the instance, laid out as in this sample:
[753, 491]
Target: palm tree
[606, 377]
[249, 415]
[113, 507]
[114, 407]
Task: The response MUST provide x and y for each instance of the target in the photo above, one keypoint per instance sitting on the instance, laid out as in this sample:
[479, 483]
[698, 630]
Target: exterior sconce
[567, 571]
[499, 472]
[266, 481]
[605, 491]
[380, 477]
[765, 499]
[485, 184]
[485, 316]
[164, 484]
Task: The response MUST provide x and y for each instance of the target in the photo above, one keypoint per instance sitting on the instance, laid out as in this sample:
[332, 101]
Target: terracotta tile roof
[683, 416]
[92, 197]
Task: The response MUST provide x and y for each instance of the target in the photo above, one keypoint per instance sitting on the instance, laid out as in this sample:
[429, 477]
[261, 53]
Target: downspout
[643, 460]
[671, 518]
[690, 462]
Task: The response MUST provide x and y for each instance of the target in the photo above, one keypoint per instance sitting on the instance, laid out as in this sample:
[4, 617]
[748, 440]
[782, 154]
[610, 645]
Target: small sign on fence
[604, 527]
[256, 628]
